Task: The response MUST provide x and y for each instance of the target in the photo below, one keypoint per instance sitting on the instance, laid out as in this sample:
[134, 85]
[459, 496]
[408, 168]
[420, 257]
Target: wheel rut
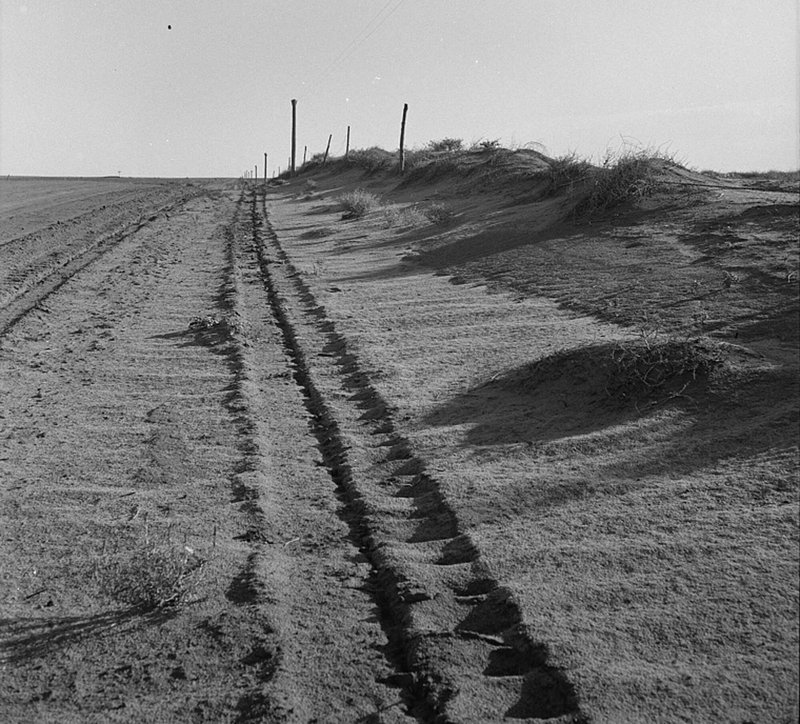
[462, 650]
[331, 656]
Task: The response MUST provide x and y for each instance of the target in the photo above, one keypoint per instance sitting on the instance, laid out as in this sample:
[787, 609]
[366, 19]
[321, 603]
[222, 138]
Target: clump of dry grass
[146, 575]
[439, 214]
[446, 145]
[358, 203]
[566, 171]
[372, 159]
[628, 177]
[403, 217]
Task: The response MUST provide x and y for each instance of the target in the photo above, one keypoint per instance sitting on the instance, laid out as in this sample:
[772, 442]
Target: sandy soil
[262, 464]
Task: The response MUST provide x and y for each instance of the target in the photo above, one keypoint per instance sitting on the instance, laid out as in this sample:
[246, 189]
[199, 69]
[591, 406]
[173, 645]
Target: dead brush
[653, 368]
[650, 369]
[147, 575]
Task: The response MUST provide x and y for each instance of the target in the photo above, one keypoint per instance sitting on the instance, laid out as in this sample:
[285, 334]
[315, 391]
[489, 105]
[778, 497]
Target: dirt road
[257, 467]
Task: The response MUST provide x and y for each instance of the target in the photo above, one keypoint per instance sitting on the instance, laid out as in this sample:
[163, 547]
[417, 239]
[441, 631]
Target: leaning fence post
[402, 139]
[347, 147]
[327, 149]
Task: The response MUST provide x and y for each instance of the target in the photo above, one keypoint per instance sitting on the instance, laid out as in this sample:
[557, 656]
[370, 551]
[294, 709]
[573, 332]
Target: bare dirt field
[472, 455]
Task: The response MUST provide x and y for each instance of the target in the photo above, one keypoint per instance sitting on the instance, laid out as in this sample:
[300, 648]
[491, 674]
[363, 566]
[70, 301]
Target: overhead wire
[357, 39]
[361, 37]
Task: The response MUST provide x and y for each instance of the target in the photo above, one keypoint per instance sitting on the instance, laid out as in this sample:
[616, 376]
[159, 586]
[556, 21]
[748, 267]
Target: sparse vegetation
[486, 145]
[358, 203]
[372, 159]
[148, 576]
[439, 214]
[627, 177]
[446, 145]
[403, 217]
[565, 171]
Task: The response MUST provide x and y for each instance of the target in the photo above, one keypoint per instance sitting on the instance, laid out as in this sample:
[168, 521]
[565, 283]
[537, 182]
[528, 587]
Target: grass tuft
[372, 160]
[148, 576]
[628, 177]
[439, 214]
[446, 145]
[403, 217]
[566, 171]
[358, 203]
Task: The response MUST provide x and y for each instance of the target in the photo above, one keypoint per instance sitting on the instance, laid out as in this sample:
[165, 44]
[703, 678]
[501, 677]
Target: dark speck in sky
[169, 27]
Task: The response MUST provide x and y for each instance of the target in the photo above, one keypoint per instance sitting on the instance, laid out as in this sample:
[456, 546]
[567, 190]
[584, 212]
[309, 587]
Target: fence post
[294, 132]
[327, 149]
[402, 139]
[347, 147]
[265, 168]
[305, 153]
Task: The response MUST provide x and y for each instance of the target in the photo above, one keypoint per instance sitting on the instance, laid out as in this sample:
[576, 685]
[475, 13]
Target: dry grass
[358, 203]
[403, 217]
[439, 214]
[448, 145]
[564, 172]
[147, 575]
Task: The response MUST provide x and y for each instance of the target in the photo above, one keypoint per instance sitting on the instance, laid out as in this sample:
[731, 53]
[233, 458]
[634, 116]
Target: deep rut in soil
[331, 657]
[457, 633]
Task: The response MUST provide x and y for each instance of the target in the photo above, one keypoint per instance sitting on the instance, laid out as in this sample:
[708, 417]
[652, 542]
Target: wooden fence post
[305, 153]
[265, 168]
[403, 139]
[294, 133]
[327, 149]
[347, 147]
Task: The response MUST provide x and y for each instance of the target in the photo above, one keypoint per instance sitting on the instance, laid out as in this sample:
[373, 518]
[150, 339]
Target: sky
[176, 88]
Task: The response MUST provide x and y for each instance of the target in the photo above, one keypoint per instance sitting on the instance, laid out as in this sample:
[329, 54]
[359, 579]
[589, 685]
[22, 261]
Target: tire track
[458, 633]
[279, 580]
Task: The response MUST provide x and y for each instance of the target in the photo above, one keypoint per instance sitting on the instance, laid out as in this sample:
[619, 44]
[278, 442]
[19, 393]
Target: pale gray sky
[93, 87]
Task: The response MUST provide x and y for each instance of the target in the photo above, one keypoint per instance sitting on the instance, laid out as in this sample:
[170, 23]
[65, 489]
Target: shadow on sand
[561, 404]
